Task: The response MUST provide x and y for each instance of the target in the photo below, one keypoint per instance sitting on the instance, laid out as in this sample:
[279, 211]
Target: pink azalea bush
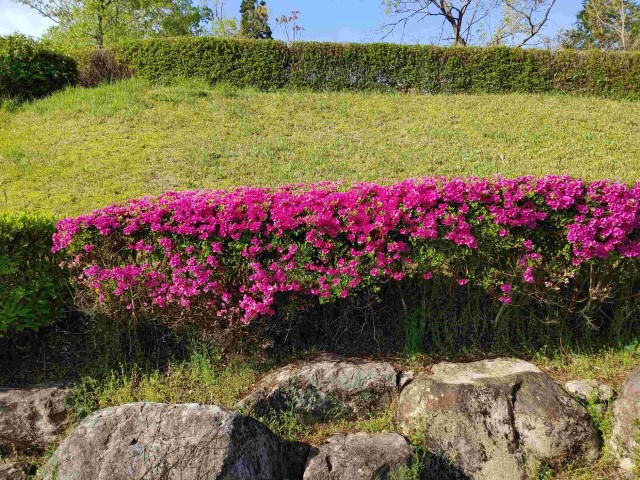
[241, 254]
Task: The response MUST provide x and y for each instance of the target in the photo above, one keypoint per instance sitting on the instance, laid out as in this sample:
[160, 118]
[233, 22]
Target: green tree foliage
[254, 22]
[99, 23]
[28, 70]
[220, 25]
[606, 24]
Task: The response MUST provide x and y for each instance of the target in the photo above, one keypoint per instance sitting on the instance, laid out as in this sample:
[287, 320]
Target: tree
[254, 19]
[471, 21]
[220, 25]
[606, 24]
[521, 21]
[103, 22]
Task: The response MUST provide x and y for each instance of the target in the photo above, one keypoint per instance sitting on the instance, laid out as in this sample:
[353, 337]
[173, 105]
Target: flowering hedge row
[244, 253]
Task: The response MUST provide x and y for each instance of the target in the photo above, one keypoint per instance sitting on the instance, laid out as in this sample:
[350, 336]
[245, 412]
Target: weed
[9, 105]
[414, 326]
[81, 398]
[286, 424]
[17, 156]
[226, 90]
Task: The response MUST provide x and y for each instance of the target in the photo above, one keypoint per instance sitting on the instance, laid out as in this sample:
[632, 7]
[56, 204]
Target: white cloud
[15, 17]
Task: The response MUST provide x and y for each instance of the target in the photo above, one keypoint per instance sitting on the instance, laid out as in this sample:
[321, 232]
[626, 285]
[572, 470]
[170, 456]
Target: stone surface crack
[512, 413]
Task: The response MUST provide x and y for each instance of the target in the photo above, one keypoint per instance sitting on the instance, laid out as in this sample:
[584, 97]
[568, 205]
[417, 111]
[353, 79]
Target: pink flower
[238, 252]
[527, 276]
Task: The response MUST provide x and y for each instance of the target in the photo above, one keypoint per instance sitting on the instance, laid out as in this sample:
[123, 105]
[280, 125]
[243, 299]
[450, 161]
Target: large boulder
[165, 442]
[326, 386]
[496, 419]
[359, 456]
[32, 417]
[625, 435]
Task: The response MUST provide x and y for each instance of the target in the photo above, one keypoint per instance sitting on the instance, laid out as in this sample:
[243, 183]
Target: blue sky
[326, 20]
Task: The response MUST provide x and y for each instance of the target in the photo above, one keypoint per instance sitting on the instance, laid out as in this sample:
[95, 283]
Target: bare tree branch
[51, 9]
[536, 8]
[468, 20]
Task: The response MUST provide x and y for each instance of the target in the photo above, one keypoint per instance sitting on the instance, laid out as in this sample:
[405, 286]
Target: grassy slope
[82, 149]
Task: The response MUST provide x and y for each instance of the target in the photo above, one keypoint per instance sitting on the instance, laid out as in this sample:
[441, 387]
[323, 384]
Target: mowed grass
[85, 148]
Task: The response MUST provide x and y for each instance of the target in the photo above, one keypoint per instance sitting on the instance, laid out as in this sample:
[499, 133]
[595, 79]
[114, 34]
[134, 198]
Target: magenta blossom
[239, 253]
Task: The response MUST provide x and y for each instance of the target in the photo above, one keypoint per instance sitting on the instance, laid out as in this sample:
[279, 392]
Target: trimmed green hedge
[387, 67]
[28, 70]
[33, 287]
[254, 63]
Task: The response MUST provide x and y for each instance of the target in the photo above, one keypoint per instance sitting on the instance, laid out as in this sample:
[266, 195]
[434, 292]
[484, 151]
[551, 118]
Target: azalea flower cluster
[240, 253]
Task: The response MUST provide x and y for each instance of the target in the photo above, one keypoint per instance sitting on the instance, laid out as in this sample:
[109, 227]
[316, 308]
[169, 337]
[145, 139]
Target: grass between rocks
[84, 148]
[206, 378]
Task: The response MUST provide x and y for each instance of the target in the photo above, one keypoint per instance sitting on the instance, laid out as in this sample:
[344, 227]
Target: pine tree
[254, 21]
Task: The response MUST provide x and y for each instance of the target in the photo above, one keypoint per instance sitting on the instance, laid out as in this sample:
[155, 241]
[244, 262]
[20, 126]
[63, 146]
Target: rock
[496, 419]
[624, 441]
[169, 442]
[12, 472]
[32, 417]
[325, 387]
[587, 390]
[359, 456]
[405, 378]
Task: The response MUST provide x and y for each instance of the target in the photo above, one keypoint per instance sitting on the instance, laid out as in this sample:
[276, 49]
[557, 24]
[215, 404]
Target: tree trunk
[100, 32]
[459, 41]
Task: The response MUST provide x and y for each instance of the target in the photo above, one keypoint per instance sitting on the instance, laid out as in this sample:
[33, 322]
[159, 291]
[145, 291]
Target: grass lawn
[82, 149]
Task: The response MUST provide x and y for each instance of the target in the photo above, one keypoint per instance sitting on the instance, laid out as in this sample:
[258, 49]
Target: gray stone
[173, 442]
[624, 441]
[12, 472]
[358, 456]
[496, 419]
[590, 390]
[405, 378]
[325, 387]
[32, 417]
